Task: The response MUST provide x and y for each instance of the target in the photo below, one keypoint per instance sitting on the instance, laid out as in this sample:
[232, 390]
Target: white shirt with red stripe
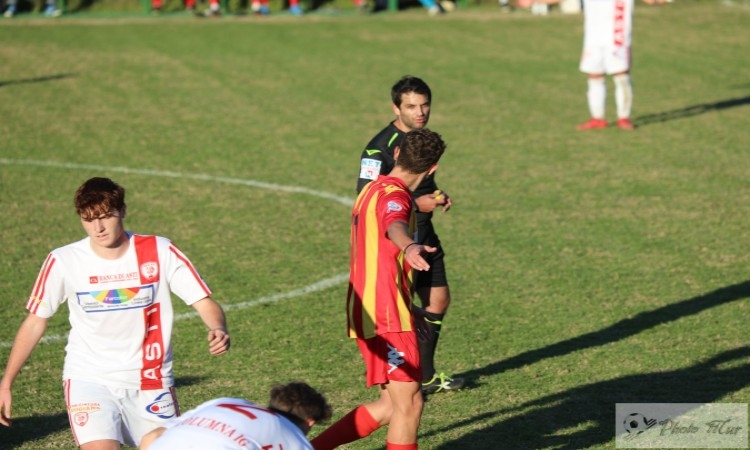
[120, 310]
[608, 23]
[231, 424]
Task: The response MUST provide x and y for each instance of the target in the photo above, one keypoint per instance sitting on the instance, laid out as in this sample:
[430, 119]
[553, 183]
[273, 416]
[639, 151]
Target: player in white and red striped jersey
[608, 26]
[117, 376]
[237, 424]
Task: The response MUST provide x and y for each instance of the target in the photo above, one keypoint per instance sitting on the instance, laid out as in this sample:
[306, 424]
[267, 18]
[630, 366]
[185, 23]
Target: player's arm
[213, 316]
[398, 233]
[28, 336]
[150, 437]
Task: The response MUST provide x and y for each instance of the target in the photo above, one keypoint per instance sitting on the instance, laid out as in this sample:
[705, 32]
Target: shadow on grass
[36, 428]
[585, 416]
[620, 330]
[43, 79]
[25, 429]
[690, 111]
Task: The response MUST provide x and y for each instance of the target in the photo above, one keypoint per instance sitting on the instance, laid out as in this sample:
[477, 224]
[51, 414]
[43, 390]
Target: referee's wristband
[407, 247]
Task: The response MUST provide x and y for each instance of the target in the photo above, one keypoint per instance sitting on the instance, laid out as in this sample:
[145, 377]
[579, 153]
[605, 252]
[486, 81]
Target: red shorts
[391, 357]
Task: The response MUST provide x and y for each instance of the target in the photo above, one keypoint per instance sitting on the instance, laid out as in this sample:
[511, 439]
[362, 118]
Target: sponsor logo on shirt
[116, 299]
[113, 278]
[162, 406]
[369, 169]
[394, 207]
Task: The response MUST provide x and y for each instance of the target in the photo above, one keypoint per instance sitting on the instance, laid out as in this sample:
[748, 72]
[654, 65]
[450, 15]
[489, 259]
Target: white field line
[317, 286]
[166, 173]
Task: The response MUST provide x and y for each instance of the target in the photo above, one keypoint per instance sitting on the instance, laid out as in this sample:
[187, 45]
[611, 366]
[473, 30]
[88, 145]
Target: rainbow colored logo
[115, 296]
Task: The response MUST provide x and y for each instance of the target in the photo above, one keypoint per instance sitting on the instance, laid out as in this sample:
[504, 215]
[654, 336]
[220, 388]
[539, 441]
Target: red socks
[355, 425]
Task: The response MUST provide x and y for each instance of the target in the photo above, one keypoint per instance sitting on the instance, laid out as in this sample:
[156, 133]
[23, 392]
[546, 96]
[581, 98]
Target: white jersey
[120, 310]
[607, 23]
[607, 36]
[231, 424]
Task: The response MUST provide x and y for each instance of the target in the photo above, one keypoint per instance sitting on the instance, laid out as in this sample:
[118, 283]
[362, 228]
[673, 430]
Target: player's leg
[107, 444]
[592, 64]
[623, 99]
[435, 301]
[364, 419]
[145, 410]
[94, 414]
[596, 97]
[355, 425]
[617, 64]
[295, 8]
[10, 11]
[434, 294]
[407, 403]
[51, 10]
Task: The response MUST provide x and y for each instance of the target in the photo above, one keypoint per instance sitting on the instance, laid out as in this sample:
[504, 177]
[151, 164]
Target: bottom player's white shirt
[120, 310]
[231, 424]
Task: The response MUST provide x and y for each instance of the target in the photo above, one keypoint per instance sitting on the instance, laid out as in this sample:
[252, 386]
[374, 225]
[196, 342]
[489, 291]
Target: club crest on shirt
[81, 418]
[394, 207]
[150, 270]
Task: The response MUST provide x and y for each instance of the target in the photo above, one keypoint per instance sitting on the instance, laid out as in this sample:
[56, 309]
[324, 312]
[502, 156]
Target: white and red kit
[231, 424]
[120, 310]
[607, 36]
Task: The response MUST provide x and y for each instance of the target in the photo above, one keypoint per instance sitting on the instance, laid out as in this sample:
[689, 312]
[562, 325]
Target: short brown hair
[300, 401]
[420, 150]
[99, 197]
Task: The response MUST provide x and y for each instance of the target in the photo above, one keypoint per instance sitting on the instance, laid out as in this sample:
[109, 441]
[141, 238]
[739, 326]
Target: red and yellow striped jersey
[380, 292]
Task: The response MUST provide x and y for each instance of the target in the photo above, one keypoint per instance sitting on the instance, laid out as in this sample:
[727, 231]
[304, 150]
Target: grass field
[587, 269]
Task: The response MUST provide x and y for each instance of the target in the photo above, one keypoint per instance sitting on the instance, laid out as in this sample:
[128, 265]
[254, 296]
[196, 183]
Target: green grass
[587, 269]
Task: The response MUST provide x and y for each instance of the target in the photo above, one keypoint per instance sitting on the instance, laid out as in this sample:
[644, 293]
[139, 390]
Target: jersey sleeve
[371, 164]
[184, 279]
[394, 206]
[48, 292]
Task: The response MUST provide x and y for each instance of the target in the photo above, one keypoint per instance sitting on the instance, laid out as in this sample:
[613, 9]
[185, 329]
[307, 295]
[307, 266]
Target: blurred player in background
[237, 424]
[50, 9]
[380, 313]
[608, 26]
[411, 101]
[117, 377]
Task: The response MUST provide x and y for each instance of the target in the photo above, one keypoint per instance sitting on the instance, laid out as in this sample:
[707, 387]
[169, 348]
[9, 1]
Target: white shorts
[605, 60]
[99, 412]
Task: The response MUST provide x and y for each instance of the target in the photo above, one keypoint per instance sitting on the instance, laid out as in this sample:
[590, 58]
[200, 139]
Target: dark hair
[99, 197]
[298, 402]
[409, 84]
[420, 150]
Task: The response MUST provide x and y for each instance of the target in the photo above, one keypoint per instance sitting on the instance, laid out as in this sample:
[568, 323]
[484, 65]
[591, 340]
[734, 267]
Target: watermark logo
[636, 423]
[681, 425]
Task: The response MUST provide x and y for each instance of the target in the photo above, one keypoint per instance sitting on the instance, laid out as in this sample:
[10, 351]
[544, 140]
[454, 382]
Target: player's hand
[413, 255]
[6, 398]
[218, 341]
[442, 198]
[428, 203]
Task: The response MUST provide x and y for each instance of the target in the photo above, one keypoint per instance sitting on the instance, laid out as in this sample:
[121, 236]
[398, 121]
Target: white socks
[597, 96]
[623, 95]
